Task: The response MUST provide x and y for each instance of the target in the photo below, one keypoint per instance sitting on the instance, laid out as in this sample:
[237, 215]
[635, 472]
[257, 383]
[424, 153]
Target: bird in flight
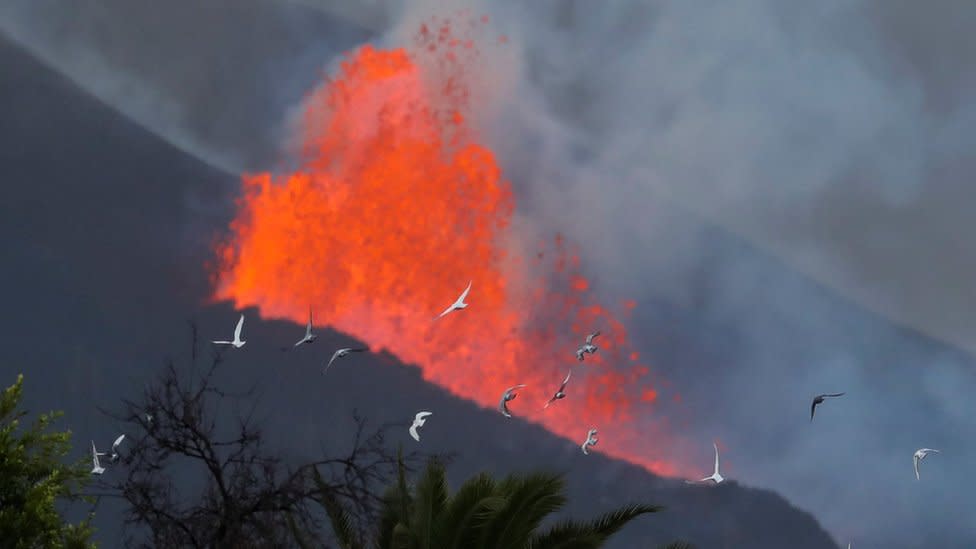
[591, 440]
[560, 394]
[919, 456]
[341, 353]
[309, 336]
[714, 477]
[97, 469]
[418, 421]
[459, 304]
[507, 396]
[819, 400]
[587, 347]
[114, 457]
[237, 343]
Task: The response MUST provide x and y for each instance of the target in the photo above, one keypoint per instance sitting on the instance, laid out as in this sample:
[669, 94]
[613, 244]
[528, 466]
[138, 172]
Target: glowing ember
[397, 206]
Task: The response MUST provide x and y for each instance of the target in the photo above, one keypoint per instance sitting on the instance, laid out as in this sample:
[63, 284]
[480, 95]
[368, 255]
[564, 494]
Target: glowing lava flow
[394, 208]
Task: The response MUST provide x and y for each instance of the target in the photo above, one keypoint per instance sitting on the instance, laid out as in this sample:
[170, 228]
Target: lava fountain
[393, 208]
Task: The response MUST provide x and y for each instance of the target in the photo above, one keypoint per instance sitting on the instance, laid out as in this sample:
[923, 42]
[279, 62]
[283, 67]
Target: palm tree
[482, 514]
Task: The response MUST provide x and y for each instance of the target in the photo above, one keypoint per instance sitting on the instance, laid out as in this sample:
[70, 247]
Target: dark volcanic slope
[104, 234]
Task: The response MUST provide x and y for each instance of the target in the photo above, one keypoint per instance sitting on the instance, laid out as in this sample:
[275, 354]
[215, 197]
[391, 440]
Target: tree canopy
[484, 513]
[35, 479]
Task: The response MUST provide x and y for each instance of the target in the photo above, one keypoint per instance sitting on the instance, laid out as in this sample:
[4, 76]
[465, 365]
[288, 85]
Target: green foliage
[34, 479]
[482, 514]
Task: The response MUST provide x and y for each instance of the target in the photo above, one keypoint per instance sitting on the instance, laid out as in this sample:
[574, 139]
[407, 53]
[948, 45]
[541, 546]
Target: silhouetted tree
[482, 514]
[194, 480]
[34, 478]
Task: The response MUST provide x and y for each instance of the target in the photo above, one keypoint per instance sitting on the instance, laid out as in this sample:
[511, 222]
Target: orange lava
[394, 208]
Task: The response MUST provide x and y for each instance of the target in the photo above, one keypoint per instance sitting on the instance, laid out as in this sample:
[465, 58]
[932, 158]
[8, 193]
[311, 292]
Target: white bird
[237, 343]
[96, 468]
[919, 456]
[587, 347]
[459, 304]
[507, 396]
[418, 421]
[309, 336]
[714, 477]
[560, 394]
[114, 458]
[591, 440]
[341, 353]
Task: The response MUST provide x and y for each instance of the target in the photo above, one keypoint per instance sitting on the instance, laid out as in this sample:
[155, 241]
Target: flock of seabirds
[588, 347]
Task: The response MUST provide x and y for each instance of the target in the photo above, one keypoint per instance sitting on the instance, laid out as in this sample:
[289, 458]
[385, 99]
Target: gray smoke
[832, 137]
[829, 134]
[215, 79]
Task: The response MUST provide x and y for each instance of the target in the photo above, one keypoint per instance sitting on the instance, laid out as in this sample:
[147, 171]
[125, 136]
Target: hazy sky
[833, 135]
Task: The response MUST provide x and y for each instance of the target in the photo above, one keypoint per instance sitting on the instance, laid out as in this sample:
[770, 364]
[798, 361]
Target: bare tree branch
[194, 478]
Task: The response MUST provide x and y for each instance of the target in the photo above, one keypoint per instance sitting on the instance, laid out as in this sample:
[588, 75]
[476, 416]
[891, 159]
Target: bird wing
[308, 327]
[335, 355]
[579, 354]
[565, 381]
[115, 445]
[589, 338]
[813, 408]
[716, 457]
[240, 326]
[584, 449]
[502, 407]
[915, 462]
[359, 350]
[833, 394]
[447, 310]
[422, 415]
[413, 432]
[222, 342]
[94, 456]
[548, 402]
[464, 294]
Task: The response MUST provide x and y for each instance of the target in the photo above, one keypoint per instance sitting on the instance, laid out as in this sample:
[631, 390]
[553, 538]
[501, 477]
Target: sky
[829, 136]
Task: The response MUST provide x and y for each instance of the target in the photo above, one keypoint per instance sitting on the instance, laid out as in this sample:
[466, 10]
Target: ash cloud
[665, 137]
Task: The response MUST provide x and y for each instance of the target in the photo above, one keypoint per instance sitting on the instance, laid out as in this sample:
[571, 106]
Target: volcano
[102, 222]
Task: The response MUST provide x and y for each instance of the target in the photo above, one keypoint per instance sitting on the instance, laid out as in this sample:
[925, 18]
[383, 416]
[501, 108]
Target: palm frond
[402, 491]
[564, 535]
[462, 508]
[296, 532]
[567, 535]
[342, 524]
[430, 498]
[531, 498]
[677, 545]
[389, 518]
[611, 523]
